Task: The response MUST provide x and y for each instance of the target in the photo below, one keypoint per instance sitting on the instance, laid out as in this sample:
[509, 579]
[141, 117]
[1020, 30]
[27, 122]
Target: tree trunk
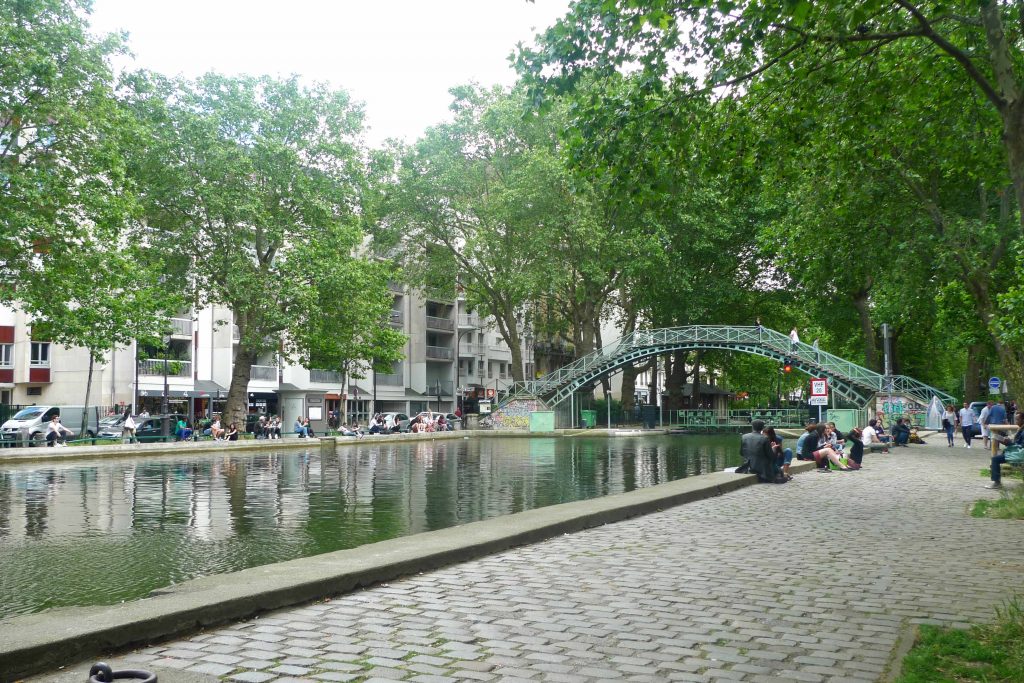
[676, 379]
[696, 378]
[860, 302]
[85, 408]
[238, 399]
[972, 376]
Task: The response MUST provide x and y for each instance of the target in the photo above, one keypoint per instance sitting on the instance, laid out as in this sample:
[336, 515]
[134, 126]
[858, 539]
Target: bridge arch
[849, 380]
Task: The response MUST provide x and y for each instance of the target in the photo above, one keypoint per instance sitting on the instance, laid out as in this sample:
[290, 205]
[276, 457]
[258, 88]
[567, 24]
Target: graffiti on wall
[516, 414]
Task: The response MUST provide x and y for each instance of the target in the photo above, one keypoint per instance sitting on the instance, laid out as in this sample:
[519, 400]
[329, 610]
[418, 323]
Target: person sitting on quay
[783, 456]
[816, 447]
[901, 433]
[811, 428]
[274, 427]
[309, 428]
[299, 428]
[758, 457]
[871, 439]
[996, 471]
[56, 432]
[232, 432]
[855, 459]
[834, 438]
[182, 431]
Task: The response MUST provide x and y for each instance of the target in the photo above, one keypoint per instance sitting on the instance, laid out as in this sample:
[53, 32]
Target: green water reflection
[99, 532]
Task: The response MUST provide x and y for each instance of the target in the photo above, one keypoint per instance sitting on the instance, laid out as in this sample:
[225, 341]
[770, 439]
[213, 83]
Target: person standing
[966, 423]
[128, 428]
[949, 423]
[983, 420]
[794, 338]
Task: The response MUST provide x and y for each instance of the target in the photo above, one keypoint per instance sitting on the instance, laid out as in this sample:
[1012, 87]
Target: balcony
[446, 386]
[469, 321]
[444, 324]
[396, 287]
[181, 327]
[439, 353]
[325, 376]
[390, 380]
[263, 373]
[175, 368]
[472, 349]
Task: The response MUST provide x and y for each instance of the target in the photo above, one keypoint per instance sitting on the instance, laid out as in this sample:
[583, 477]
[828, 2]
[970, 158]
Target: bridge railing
[809, 358]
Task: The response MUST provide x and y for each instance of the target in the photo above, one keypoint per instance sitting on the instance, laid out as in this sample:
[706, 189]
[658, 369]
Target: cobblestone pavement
[816, 580]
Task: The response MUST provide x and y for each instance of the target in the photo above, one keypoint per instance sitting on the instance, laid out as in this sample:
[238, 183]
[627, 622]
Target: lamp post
[164, 431]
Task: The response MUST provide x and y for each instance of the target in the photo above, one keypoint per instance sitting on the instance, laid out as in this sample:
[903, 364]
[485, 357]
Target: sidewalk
[817, 580]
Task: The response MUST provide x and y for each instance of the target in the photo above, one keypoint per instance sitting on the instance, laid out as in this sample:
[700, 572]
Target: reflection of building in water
[209, 506]
[64, 501]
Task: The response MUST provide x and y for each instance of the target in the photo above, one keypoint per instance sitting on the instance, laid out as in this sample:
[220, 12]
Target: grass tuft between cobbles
[993, 653]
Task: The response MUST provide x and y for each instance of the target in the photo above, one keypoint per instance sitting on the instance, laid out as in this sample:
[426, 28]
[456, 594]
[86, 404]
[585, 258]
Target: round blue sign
[994, 383]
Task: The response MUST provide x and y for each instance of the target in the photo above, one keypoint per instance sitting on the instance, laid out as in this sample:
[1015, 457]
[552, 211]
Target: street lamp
[164, 430]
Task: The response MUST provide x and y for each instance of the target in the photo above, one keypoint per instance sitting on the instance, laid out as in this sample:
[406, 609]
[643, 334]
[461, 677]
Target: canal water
[105, 531]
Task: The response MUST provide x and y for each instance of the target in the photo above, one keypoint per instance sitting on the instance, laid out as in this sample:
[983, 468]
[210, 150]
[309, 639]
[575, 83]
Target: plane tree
[257, 182]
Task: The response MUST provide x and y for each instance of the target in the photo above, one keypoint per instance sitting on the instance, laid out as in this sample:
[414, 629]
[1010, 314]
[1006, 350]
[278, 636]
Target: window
[6, 355]
[35, 391]
[490, 371]
[480, 338]
[480, 368]
[501, 370]
[40, 357]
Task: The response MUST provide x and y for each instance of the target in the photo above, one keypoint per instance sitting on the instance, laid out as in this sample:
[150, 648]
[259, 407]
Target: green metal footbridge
[848, 380]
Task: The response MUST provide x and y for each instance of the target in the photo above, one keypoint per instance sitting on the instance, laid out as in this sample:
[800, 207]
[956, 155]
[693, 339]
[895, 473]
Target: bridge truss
[853, 382]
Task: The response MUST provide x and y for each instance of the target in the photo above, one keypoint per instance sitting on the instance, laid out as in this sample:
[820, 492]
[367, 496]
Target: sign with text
[819, 391]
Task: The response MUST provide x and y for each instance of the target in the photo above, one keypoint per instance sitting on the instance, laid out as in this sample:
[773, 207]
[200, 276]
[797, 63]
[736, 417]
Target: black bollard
[101, 673]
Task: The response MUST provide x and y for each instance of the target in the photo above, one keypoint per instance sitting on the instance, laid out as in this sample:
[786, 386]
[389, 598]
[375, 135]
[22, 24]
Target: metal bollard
[101, 673]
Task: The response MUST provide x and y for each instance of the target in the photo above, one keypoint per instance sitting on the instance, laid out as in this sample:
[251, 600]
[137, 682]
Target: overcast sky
[399, 57]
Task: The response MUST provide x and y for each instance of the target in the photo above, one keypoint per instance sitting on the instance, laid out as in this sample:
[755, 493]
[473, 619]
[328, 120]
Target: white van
[29, 424]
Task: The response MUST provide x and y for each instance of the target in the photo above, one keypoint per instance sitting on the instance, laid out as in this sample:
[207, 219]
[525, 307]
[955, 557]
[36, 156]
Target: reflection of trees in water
[6, 503]
[204, 514]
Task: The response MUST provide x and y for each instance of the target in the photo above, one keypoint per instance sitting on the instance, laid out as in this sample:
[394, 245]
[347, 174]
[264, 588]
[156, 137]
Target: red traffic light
[787, 367]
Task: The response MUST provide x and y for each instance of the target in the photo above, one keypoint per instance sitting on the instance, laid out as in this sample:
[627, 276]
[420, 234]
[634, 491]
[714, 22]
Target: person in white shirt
[55, 432]
[967, 422]
[869, 437]
[983, 421]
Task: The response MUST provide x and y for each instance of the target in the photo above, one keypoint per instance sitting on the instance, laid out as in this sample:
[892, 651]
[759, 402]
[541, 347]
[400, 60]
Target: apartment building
[453, 358]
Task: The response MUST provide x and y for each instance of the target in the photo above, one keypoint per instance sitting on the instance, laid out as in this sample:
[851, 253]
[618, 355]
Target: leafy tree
[487, 198]
[69, 255]
[258, 182]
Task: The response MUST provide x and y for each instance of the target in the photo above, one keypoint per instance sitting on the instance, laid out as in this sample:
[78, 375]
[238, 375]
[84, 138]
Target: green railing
[849, 380]
[713, 419]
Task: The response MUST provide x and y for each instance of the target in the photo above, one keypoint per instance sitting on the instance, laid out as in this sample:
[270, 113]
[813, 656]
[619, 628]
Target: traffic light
[787, 366]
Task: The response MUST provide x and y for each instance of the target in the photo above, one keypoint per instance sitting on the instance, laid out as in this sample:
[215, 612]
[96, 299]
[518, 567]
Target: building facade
[453, 358]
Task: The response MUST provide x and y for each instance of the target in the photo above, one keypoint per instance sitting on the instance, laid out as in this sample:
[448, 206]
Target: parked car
[391, 420]
[147, 429]
[29, 424]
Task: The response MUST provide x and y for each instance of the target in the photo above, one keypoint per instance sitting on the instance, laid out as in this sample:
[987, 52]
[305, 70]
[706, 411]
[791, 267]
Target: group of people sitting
[764, 455]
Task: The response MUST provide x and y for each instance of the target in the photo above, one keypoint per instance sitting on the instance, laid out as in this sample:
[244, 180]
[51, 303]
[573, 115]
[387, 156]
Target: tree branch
[956, 53]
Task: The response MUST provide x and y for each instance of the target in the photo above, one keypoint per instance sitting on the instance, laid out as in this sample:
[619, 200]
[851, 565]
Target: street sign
[819, 391]
[993, 385]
